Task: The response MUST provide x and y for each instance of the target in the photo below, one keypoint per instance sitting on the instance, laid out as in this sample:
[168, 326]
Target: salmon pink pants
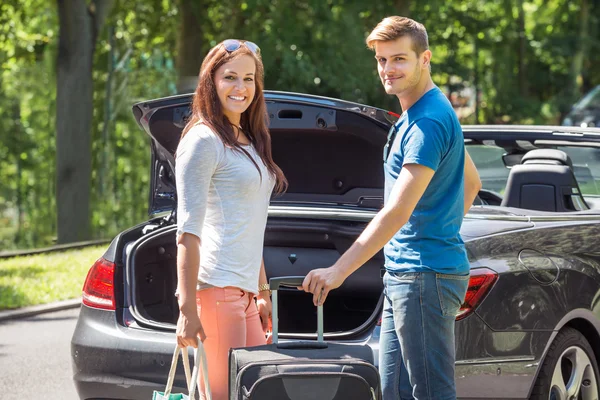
[230, 319]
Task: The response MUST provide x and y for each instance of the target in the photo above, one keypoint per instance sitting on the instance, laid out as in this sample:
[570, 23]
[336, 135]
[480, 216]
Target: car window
[494, 174]
[591, 100]
[586, 166]
[488, 160]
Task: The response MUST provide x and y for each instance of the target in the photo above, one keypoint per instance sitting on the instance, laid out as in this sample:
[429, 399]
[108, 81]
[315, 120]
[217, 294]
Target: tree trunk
[581, 51]
[523, 86]
[16, 111]
[108, 120]
[403, 8]
[190, 44]
[476, 77]
[79, 25]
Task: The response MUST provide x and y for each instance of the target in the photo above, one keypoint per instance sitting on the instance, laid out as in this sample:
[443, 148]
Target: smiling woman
[225, 175]
[235, 87]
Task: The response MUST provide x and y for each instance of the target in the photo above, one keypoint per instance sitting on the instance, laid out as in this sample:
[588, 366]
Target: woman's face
[235, 83]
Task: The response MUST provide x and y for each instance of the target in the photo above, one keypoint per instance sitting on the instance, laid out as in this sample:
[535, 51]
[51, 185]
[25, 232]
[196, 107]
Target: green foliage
[45, 278]
[27, 82]
[134, 62]
[315, 47]
[524, 75]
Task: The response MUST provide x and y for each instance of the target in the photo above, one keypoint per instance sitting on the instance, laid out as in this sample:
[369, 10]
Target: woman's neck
[234, 118]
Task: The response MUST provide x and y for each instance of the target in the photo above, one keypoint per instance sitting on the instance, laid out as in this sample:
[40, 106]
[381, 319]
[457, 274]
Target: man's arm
[408, 189]
[472, 182]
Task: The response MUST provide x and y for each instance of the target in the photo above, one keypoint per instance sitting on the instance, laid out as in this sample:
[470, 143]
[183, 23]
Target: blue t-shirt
[429, 134]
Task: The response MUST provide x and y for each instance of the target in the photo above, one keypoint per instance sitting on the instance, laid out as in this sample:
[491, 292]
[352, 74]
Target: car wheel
[569, 371]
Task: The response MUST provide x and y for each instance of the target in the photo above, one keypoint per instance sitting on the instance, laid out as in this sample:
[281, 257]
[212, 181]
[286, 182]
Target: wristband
[264, 287]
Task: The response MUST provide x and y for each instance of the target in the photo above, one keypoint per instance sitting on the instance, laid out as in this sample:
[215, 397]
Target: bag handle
[199, 357]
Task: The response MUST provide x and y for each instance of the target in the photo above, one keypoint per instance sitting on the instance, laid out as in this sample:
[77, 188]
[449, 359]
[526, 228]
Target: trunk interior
[292, 247]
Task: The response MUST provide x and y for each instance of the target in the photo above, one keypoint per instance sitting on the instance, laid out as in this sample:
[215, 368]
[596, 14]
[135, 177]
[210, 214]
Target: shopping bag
[199, 357]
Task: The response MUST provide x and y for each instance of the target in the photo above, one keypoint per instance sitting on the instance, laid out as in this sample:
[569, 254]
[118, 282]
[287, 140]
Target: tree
[582, 45]
[527, 59]
[27, 84]
[190, 43]
[79, 25]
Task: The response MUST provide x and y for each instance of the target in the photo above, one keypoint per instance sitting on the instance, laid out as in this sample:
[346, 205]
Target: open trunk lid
[330, 150]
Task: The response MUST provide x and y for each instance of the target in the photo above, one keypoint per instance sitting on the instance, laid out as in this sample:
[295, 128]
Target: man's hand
[320, 282]
[265, 308]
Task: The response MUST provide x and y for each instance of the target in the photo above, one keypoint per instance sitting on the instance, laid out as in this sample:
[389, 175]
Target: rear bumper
[111, 361]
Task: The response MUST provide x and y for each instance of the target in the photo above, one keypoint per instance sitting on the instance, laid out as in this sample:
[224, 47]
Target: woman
[225, 175]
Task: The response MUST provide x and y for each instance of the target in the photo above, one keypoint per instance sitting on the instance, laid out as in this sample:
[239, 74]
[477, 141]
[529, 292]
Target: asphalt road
[35, 357]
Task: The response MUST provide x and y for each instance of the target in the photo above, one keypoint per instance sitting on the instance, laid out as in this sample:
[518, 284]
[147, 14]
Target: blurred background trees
[511, 61]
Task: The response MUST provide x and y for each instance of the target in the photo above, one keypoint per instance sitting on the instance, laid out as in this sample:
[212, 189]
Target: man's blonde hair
[392, 28]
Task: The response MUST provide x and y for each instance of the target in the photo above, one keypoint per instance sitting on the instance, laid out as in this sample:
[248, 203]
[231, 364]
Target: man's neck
[408, 98]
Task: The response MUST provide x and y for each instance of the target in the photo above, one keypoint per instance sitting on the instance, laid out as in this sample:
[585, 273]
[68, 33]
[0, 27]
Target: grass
[45, 278]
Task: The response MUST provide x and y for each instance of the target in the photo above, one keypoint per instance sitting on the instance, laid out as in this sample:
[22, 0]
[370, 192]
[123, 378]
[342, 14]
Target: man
[430, 183]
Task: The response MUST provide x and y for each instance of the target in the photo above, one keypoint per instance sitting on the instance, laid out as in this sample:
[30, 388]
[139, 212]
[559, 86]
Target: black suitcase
[304, 370]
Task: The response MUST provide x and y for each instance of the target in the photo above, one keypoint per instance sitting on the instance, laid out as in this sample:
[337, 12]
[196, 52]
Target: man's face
[399, 67]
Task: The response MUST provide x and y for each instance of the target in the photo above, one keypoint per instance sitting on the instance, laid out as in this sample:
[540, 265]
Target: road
[35, 357]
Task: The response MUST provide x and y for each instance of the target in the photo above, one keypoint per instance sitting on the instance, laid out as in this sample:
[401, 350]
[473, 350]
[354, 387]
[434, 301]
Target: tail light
[98, 289]
[480, 283]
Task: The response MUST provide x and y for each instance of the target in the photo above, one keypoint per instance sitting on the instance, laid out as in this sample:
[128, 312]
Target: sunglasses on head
[232, 45]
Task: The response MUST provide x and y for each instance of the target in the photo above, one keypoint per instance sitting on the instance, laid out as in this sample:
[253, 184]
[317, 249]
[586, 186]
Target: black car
[530, 323]
[586, 112]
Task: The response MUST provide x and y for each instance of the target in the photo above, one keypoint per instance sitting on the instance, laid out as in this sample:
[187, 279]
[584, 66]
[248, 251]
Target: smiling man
[430, 183]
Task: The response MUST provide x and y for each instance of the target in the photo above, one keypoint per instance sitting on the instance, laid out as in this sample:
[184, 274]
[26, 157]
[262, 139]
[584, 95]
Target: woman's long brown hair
[206, 107]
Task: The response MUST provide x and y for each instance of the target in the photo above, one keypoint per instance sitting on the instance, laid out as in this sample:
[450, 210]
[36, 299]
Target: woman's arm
[262, 278]
[188, 261]
[263, 300]
[197, 159]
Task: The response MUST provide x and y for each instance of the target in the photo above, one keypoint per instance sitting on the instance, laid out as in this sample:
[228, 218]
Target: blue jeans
[416, 347]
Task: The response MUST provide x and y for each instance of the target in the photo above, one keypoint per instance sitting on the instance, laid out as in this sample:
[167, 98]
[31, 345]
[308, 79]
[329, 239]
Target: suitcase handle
[293, 281]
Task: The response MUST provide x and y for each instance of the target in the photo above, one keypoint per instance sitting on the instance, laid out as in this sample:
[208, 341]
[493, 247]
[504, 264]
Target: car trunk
[292, 247]
[332, 159]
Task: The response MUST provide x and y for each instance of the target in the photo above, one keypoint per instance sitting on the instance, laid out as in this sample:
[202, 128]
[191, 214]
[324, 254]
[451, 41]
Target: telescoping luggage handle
[293, 281]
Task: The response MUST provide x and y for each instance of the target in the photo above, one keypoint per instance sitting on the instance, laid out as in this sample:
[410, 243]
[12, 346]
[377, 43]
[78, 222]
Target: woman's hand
[189, 327]
[265, 308]
[188, 261]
